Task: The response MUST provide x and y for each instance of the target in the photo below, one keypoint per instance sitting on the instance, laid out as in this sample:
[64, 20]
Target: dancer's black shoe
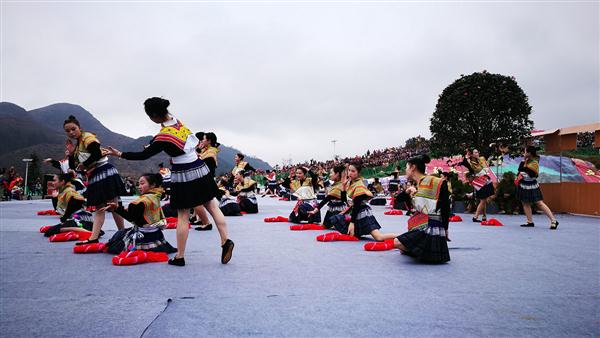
[206, 227]
[177, 261]
[87, 241]
[227, 251]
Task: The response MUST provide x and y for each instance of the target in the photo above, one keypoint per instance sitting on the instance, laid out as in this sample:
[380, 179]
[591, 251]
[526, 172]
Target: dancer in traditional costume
[240, 164]
[147, 217]
[244, 190]
[71, 206]
[303, 188]
[394, 183]
[286, 185]
[192, 184]
[63, 166]
[428, 242]
[376, 187]
[104, 182]
[227, 203]
[403, 200]
[336, 197]
[361, 221]
[482, 182]
[272, 186]
[379, 196]
[207, 150]
[528, 188]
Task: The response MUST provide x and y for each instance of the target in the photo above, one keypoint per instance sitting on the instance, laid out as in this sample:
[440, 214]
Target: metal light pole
[26, 160]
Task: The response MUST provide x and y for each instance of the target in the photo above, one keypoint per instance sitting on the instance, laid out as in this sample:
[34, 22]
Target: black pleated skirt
[429, 244]
[147, 239]
[249, 205]
[485, 191]
[192, 184]
[529, 192]
[104, 184]
[229, 207]
[333, 208]
[364, 224]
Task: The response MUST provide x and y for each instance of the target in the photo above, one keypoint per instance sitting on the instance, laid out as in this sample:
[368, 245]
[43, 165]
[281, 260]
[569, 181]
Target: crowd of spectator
[371, 159]
[11, 184]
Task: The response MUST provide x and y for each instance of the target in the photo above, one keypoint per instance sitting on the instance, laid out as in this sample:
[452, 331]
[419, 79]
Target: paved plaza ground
[501, 281]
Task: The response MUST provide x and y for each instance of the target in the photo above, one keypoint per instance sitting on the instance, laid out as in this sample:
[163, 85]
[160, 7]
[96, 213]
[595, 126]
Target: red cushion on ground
[492, 222]
[84, 235]
[335, 237]
[455, 218]
[64, 237]
[130, 258]
[380, 246]
[89, 248]
[45, 228]
[297, 227]
[51, 212]
[153, 257]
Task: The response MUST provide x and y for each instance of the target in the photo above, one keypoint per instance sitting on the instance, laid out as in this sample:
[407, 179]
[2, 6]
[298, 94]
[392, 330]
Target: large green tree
[477, 110]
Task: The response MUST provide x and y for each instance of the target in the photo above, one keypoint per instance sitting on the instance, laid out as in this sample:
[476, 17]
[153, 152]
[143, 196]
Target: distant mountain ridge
[39, 131]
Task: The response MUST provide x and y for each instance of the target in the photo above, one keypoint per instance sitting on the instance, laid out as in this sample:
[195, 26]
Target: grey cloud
[367, 74]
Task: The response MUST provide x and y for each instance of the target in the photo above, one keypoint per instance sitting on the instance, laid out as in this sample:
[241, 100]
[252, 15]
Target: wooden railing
[577, 198]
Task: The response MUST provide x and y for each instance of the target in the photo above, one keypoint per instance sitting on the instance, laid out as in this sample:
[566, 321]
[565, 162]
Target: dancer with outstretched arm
[104, 182]
[192, 184]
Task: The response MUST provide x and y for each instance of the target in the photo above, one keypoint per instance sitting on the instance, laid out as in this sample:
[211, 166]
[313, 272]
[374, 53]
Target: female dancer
[63, 166]
[244, 190]
[394, 183]
[271, 187]
[192, 185]
[104, 183]
[147, 216]
[303, 188]
[528, 189]
[208, 148]
[484, 191]
[427, 244]
[286, 185]
[227, 203]
[336, 198]
[361, 221]
[240, 164]
[71, 205]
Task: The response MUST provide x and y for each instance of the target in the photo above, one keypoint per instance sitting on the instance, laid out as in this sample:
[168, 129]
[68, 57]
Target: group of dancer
[527, 187]
[192, 186]
[195, 194]
[349, 213]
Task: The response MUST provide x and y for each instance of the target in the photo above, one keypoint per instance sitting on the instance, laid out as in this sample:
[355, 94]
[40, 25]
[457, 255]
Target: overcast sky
[283, 80]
